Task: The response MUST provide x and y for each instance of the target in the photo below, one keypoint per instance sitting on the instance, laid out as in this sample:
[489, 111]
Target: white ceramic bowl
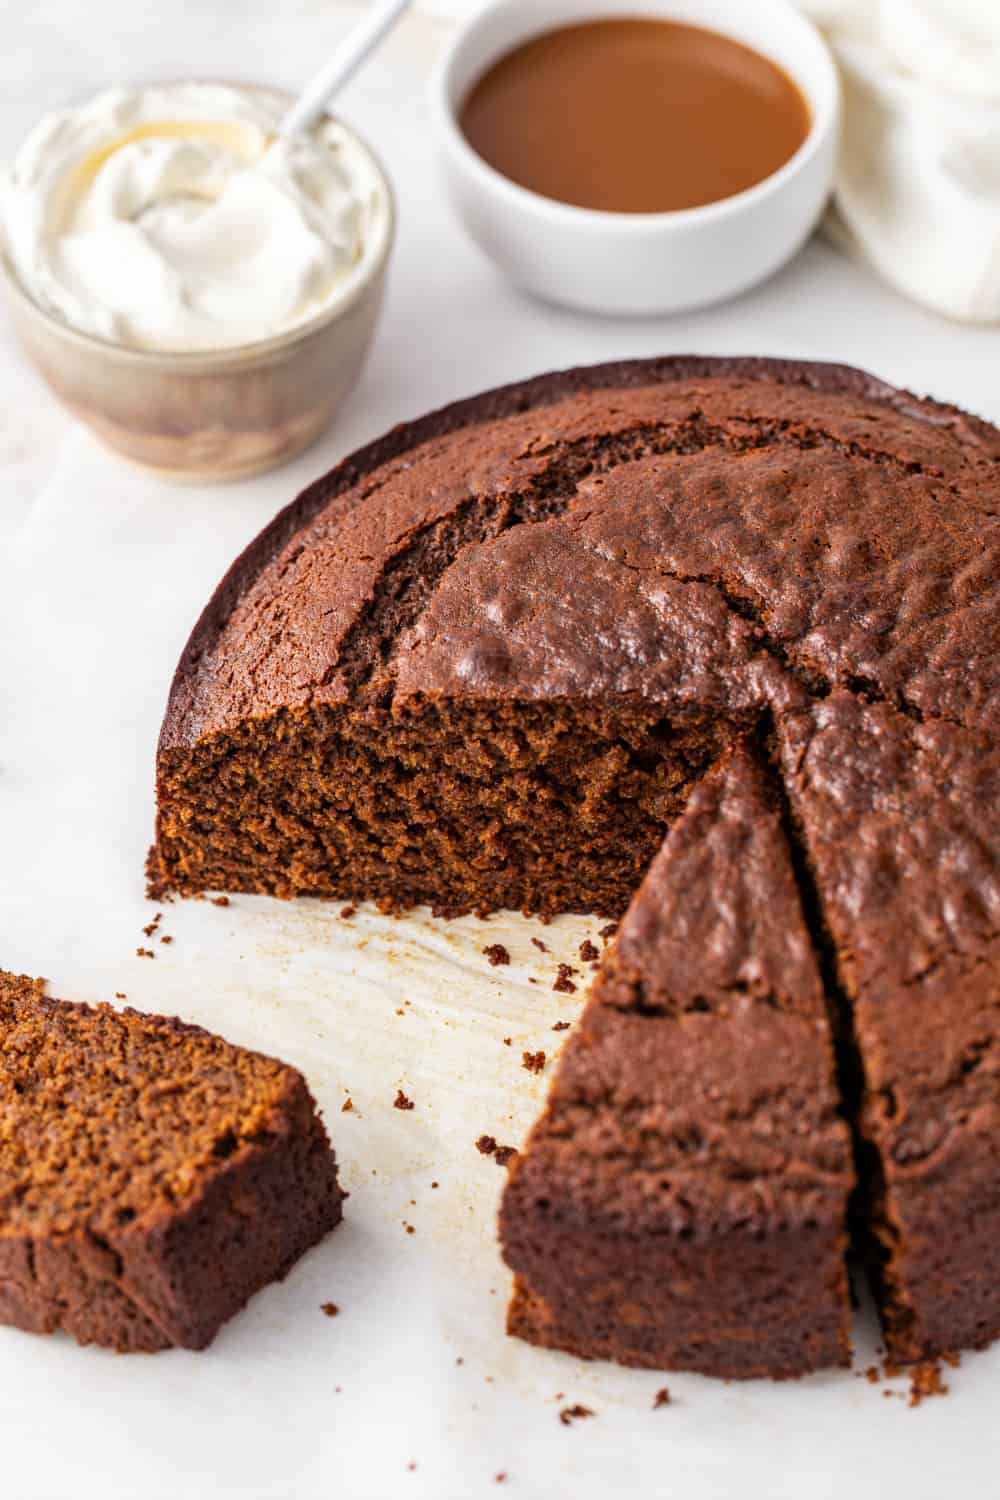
[640, 263]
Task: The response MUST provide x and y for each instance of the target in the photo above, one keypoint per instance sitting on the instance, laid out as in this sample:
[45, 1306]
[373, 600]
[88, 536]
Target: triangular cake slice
[682, 1203]
[902, 823]
[152, 1176]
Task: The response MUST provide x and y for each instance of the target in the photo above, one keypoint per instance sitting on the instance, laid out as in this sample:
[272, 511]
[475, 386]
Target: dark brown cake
[902, 822]
[152, 1177]
[487, 660]
[692, 1136]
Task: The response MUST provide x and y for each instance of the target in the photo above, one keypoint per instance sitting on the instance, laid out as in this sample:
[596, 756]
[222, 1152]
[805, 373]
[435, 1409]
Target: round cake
[710, 646]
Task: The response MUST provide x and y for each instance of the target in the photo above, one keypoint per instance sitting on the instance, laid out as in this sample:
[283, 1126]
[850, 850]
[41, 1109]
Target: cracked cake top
[537, 541]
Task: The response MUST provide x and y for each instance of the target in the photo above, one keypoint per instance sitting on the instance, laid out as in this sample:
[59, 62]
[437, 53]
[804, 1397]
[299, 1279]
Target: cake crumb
[608, 932]
[873, 1375]
[435, 1184]
[533, 1062]
[561, 1026]
[507, 1040]
[497, 954]
[401, 1101]
[501, 1154]
[542, 947]
[153, 925]
[347, 1106]
[120, 995]
[347, 912]
[564, 983]
[166, 939]
[409, 1228]
[330, 1308]
[926, 1380]
[144, 953]
[220, 900]
[501, 1478]
[588, 951]
[570, 1414]
[662, 1397]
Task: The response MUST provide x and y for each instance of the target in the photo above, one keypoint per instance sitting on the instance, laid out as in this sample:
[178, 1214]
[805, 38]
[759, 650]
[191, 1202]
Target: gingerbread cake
[152, 1176]
[693, 1135]
[491, 660]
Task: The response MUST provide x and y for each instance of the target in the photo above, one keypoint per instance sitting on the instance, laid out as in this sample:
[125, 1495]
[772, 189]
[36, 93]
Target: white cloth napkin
[918, 185]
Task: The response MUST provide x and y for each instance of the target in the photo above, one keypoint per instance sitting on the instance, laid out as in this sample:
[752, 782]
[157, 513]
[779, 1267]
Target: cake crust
[928, 426]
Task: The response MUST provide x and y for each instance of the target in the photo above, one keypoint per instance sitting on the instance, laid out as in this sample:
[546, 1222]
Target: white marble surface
[105, 571]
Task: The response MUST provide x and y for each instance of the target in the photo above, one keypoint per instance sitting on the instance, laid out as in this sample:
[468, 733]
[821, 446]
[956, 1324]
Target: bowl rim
[367, 271]
[825, 122]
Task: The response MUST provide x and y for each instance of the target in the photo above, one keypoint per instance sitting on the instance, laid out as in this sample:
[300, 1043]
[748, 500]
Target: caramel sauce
[635, 116]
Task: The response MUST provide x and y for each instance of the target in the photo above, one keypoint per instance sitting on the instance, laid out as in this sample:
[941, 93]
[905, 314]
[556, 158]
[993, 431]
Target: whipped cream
[173, 217]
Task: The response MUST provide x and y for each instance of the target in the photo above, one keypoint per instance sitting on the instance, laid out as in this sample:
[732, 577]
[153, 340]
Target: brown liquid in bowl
[635, 116]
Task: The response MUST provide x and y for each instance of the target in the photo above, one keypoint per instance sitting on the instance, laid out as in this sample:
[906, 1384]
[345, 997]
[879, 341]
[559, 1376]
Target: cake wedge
[152, 1176]
[682, 1203]
[901, 820]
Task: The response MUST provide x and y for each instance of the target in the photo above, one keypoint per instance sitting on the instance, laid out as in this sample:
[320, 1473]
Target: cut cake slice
[152, 1176]
[682, 1203]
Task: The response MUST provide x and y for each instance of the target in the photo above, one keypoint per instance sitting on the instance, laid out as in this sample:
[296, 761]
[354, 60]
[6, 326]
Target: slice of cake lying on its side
[682, 1203]
[902, 820]
[152, 1177]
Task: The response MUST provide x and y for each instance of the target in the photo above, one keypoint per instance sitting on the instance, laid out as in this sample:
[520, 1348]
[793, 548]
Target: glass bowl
[215, 414]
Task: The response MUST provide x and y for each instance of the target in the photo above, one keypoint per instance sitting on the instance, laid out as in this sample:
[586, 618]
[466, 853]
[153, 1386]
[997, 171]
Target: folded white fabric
[918, 184]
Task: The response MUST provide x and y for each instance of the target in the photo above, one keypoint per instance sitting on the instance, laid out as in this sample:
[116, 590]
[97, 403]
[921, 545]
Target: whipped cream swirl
[173, 217]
